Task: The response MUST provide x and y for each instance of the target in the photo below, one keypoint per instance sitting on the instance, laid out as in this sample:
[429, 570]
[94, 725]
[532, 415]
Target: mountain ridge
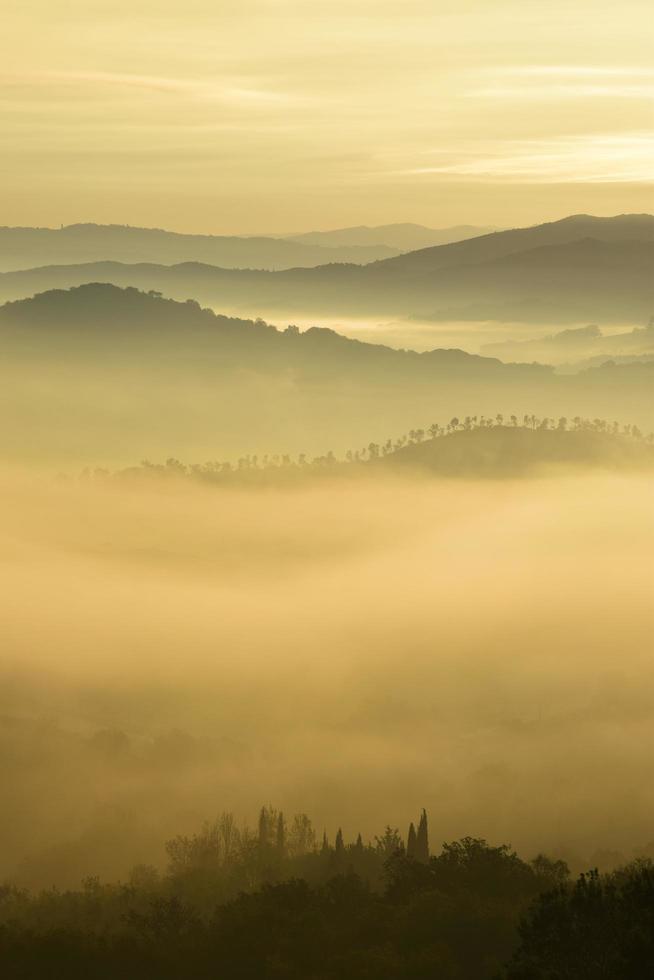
[24, 247]
[511, 275]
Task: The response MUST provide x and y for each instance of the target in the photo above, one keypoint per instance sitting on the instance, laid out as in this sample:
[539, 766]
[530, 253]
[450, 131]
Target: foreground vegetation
[275, 904]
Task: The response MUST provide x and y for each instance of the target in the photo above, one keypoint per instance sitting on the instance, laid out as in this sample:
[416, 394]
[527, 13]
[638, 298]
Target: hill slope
[405, 237]
[99, 374]
[507, 451]
[100, 316]
[542, 274]
[25, 248]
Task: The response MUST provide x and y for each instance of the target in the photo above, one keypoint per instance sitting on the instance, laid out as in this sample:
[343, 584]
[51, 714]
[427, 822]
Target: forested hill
[474, 448]
[102, 375]
[100, 316]
[511, 449]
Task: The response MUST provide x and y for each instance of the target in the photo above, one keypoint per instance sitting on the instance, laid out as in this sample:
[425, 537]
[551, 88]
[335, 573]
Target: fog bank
[365, 648]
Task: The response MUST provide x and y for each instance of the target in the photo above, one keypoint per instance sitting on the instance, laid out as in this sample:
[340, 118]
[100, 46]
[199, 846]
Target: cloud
[564, 91]
[545, 82]
[629, 71]
[201, 90]
[587, 159]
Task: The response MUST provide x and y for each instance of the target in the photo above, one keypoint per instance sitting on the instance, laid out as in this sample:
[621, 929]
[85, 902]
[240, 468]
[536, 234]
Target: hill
[405, 237]
[486, 248]
[100, 374]
[98, 316]
[551, 273]
[505, 450]
[24, 248]
[470, 450]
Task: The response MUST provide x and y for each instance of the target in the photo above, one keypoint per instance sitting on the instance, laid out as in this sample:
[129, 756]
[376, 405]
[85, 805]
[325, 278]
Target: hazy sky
[284, 115]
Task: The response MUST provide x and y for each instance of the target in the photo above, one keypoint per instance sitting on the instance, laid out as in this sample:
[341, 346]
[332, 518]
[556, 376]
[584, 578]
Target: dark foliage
[601, 928]
[342, 912]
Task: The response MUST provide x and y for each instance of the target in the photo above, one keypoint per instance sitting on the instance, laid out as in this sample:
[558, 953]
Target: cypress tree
[325, 844]
[281, 835]
[411, 842]
[263, 828]
[422, 840]
[339, 845]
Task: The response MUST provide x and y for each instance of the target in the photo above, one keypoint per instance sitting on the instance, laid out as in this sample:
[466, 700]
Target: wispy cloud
[625, 71]
[543, 82]
[563, 90]
[583, 159]
[201, 89]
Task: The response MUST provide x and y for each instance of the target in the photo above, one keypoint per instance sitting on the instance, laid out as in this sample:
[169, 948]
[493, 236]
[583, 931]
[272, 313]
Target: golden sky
[288, 115]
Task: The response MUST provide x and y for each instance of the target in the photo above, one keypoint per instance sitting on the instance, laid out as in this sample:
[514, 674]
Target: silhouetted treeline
[303, 908]
[405, 448]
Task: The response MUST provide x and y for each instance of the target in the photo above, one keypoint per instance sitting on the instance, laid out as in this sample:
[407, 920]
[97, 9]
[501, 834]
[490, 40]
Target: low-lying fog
[568, 345]
[354, 651]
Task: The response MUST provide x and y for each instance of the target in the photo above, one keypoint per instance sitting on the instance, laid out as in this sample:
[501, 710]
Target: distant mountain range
[581, 268]
[578, 344]
[403, 237]
[24, 248]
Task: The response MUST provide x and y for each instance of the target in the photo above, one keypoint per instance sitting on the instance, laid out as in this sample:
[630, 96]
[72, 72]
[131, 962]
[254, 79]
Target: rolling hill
[24, 248]
[549, 273]
[99, 374]
[496, 451]
[504, 451]
[405, 237]
[101, 319]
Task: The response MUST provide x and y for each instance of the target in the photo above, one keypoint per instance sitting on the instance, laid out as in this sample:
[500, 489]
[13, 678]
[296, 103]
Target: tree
[602, 928]
[422, 840]
[389, 843]
[301, 836]
[339, 850]
[411, 842]
[281, 835]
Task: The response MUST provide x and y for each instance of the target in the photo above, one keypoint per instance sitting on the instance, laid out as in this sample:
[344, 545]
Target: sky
[278, 116]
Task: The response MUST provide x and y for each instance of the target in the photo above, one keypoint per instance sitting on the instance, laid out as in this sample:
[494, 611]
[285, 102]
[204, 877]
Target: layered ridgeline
[105, 374]
[406, 237]
[581, 268]
[575, 348]
[24, 248]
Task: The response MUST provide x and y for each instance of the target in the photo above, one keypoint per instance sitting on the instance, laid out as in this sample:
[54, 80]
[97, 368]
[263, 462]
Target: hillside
[100, 316]
[98, 374]
[620, 228]
[504, 450]
[551, 273]
[474, 450]
[25, 248]
[405, 237]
